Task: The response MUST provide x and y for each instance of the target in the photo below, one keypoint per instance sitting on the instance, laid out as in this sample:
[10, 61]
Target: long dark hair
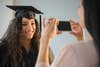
[11, 37]
[92, 21]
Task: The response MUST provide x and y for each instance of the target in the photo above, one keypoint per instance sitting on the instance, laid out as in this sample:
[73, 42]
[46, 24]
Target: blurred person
[80, 54]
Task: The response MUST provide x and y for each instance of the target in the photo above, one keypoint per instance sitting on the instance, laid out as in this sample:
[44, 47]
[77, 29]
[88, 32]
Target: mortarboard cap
[21, 8]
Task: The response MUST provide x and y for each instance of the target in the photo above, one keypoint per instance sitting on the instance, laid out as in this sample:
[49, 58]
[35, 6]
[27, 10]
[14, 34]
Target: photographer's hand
[48, 32]
[50, 28]
[77, 30]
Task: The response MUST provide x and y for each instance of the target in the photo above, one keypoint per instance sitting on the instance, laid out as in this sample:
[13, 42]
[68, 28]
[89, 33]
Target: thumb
[59, 32]
[73, 33]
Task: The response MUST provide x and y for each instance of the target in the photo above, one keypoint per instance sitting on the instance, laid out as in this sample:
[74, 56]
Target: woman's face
[28, 28]
[81, 14]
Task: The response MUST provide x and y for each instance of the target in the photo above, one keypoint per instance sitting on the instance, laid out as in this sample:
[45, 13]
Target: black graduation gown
[5, 57]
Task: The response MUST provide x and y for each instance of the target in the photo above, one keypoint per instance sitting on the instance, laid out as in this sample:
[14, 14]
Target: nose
[29, 28]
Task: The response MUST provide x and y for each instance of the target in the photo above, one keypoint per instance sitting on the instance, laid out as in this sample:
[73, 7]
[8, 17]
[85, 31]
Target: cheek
[81, 15]
[79, 12]
[23, 30]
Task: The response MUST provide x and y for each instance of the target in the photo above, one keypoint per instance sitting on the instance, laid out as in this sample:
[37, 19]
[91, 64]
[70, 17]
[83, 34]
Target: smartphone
[64, 26]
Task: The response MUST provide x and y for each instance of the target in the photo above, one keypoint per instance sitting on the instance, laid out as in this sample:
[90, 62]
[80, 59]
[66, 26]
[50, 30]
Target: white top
[82, 54]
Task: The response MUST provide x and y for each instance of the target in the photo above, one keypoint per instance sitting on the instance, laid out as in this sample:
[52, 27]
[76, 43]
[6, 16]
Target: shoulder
[76, 53]
[79, 48]
[77, 45]
[84, 51]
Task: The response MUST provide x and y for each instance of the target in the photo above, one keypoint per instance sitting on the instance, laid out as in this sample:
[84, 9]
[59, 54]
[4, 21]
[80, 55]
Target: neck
[26, 44]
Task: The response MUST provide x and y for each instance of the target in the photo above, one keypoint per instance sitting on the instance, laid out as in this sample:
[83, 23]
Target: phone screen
[64, 26]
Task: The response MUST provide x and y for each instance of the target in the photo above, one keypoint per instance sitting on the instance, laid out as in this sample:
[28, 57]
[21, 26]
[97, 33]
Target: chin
[30, 37]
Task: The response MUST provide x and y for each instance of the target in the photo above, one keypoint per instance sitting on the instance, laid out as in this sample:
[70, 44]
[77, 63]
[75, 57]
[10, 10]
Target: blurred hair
[92, 21]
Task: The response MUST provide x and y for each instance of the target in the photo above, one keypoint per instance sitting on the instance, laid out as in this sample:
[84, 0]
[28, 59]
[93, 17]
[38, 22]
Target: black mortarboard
[20, 8]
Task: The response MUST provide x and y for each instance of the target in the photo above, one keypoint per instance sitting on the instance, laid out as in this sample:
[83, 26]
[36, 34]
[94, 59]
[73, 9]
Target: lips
[30, 33]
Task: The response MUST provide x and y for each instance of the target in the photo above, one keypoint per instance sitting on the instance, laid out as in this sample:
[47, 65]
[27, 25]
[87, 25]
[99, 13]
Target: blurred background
[60, 9]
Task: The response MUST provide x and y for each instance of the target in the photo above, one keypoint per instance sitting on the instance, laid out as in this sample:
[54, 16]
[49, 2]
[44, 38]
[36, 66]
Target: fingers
[77, 30]
[50, 20]
[75, 25]
[53, 20]
[72, 22]
[59, 32]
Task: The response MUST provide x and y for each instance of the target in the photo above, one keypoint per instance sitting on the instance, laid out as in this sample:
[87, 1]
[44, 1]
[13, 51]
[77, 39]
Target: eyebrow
[33, 21]
[24, 22]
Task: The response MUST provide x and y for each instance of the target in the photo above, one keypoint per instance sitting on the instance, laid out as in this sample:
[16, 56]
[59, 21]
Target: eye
[32, 23]
[24, 24]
